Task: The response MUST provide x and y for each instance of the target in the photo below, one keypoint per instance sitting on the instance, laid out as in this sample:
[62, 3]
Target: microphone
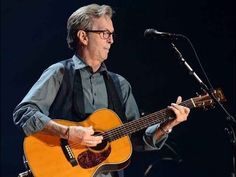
[162, 35]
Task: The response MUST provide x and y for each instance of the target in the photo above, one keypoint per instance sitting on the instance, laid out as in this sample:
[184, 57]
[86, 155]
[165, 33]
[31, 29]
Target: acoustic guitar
[50, 156]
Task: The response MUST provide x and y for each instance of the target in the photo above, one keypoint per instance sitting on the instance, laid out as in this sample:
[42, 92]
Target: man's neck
[93, 63]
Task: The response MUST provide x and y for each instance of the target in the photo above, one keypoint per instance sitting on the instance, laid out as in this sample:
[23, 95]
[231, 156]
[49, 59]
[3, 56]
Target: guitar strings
[145, 121]
[129, 127]
[123, 129]
[138, 124]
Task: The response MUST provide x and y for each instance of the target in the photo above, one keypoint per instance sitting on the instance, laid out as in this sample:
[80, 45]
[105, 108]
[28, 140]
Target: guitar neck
[143, 122]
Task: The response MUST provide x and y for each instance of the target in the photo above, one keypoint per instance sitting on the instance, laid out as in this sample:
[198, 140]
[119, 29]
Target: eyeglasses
[104, 34]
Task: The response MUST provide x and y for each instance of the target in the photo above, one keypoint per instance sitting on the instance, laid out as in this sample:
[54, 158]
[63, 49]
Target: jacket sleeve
[150, 138]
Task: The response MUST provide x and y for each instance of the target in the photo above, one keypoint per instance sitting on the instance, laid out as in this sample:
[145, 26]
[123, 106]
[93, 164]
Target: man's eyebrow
[109, 30]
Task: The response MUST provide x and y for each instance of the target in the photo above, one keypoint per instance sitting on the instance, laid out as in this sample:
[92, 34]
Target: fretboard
[143, 122]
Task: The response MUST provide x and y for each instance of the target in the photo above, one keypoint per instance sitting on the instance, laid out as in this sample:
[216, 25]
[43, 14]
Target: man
[74, 88]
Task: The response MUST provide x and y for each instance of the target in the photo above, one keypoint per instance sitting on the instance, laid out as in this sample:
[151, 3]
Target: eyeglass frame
[103, 32]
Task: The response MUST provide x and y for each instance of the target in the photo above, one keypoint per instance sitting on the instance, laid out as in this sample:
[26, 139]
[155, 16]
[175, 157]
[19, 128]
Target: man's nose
[110, 39]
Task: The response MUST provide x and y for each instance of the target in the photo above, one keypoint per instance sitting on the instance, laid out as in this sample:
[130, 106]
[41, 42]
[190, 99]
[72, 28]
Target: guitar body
[46, 157]
[49, 156]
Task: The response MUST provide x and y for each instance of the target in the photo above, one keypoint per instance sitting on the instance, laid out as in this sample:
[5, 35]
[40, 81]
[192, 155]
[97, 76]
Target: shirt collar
[80, 64]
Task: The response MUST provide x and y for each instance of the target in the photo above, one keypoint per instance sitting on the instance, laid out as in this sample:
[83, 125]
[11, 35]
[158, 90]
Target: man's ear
[82, 37]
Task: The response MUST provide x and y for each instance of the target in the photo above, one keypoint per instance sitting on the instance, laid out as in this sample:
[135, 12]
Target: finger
[90, 127]
[93, 141]
[179, 107]
[182, 109]
[97, 138]
[179, 100]
[90, 130]
[176, 111]
[90, 144]
[187, 110]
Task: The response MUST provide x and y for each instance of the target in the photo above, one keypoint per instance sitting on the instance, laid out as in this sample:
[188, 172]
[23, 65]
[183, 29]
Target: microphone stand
[229, 118]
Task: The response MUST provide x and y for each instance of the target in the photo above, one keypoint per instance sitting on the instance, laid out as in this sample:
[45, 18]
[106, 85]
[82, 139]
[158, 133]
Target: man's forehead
[103, 22]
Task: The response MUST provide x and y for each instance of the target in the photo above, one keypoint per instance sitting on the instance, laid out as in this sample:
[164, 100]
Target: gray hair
[82, 19]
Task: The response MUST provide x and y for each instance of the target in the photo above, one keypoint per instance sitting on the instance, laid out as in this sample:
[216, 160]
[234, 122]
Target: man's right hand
[83, 135]
[75, 134]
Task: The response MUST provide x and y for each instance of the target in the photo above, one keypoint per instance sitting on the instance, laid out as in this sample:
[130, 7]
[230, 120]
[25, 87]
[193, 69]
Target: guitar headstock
[205, 100]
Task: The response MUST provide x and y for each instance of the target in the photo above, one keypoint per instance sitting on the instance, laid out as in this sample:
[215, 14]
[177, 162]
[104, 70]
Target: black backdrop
[33, 37]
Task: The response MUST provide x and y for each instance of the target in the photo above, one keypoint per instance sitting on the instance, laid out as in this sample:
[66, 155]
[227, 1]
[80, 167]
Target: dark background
[33, 37]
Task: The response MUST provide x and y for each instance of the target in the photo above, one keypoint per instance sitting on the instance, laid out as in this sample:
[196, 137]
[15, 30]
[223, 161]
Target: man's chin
[104, 58]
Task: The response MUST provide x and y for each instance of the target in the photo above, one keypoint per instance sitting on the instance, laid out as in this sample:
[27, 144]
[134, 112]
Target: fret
[144, 122]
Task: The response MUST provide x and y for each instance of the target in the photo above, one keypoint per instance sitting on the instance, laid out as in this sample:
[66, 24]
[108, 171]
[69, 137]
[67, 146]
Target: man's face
[98, 46]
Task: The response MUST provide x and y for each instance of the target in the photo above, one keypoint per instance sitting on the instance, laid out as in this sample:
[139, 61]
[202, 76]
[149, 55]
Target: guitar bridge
[68, 152]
